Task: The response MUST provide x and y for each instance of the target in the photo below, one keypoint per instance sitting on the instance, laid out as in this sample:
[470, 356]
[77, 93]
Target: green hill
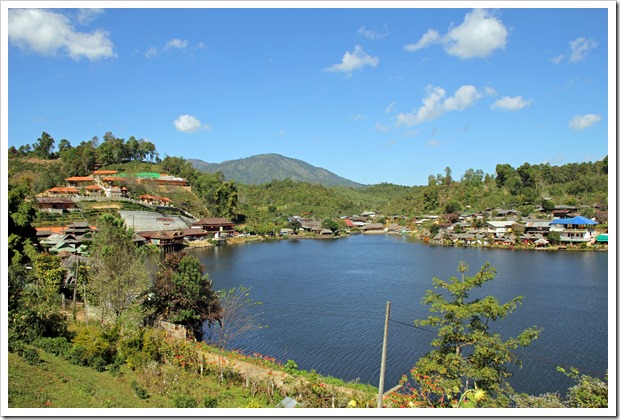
[260, 169]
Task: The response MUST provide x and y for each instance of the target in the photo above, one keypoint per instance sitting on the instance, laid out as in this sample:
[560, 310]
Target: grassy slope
[60, 384]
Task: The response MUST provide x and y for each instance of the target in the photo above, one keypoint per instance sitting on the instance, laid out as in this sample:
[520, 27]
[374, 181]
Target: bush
[291, 367]
[184, 401]
[76, 355]
[97, 363]
[588, 393]
[139, 391]
[96, 342]
[58, 346]
[210, 402]
[30, 355]
[548, 400]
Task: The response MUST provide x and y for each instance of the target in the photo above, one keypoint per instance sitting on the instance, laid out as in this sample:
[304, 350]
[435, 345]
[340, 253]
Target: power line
[411, 325]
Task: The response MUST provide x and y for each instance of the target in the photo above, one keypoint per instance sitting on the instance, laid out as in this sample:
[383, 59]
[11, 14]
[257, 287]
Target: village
[161, 225]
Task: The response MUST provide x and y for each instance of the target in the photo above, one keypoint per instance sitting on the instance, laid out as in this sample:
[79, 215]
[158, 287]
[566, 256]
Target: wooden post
[383, 357]
[75, 286]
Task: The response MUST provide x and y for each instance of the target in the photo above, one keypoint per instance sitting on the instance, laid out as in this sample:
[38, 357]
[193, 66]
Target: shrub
[139, 391]
[76, 355]
[588, 393]
[97, 363]
[58, 346]
[548, 400]
[96, 343]
[30, 355]
[291, 367]
[209, 402]
[184, 401]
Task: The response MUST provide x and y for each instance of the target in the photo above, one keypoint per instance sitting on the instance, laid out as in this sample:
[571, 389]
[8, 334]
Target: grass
[60, 384]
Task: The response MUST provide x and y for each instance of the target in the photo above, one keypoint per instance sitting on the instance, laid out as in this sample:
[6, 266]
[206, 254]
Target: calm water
[324, 303]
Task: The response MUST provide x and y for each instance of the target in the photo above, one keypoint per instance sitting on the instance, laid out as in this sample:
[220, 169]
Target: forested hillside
[41, 166]
[261, 169]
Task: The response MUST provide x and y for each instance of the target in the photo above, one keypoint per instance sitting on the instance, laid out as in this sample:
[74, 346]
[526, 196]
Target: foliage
[21, 234]
[182, 294]
[118, 272]
[589, 392]
[553, 237]
[139, 390]
[548, 400]
[184, 401]
[331, 225]
[467, 354]
[237, 316]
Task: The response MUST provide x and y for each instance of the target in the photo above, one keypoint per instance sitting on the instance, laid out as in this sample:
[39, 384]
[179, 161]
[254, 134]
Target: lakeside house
[214, 225]
[576, 229]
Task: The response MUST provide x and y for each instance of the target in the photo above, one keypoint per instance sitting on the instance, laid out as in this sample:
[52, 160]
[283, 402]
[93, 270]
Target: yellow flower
[479, 395]
[352, 404]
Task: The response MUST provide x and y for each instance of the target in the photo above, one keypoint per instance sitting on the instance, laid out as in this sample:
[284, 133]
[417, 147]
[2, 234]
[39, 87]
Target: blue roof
[577, 220]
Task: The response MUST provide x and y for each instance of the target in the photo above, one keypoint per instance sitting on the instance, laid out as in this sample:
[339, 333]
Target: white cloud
[390, 107]
[358, 117]
[85, 16]
[353, 61]
[151, 52]
[581, 122]
[189, 124]
[478, 36]
[434, 105]
[381, 127]
[489, 91]
[506, 103]
[557, 59]
[430, 37]
[282, 132]
[176, 43]
[373, 34]
[46, 33]
[433, 143]
[580, 48]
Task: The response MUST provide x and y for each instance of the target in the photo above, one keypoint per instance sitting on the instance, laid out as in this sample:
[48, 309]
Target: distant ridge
[261, 169]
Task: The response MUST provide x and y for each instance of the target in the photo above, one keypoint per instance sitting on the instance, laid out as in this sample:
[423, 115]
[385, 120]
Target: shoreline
[240, 240]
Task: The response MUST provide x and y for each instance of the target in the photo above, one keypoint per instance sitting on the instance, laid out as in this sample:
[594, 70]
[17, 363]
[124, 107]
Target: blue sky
[374, 95]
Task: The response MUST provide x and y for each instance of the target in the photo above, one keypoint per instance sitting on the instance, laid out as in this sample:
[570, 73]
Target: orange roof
[80, 178]
[93, 187]
[164, 199]
[63, 190]
[105, 172]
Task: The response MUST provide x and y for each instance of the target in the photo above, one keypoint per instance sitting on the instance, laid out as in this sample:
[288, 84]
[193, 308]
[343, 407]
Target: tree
[554, 237]
[182, 294]
[331, 225]
[44, 146]
[226, 199]
[237, 316]
[548, 205]
[467, 354]
[118, 272]
[22, 236]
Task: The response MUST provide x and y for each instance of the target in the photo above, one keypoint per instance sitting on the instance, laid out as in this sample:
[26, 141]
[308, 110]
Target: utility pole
[383, 356]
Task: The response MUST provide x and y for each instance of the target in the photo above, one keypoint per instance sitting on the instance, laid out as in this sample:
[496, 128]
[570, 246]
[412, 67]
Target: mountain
[260, 169]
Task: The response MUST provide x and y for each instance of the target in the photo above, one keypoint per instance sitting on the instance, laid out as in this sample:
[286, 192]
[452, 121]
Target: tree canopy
[182, 294]
[467, 354]
[118, 272]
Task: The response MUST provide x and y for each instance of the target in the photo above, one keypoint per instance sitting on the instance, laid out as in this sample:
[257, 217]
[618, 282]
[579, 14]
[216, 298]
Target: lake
[324, 303]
